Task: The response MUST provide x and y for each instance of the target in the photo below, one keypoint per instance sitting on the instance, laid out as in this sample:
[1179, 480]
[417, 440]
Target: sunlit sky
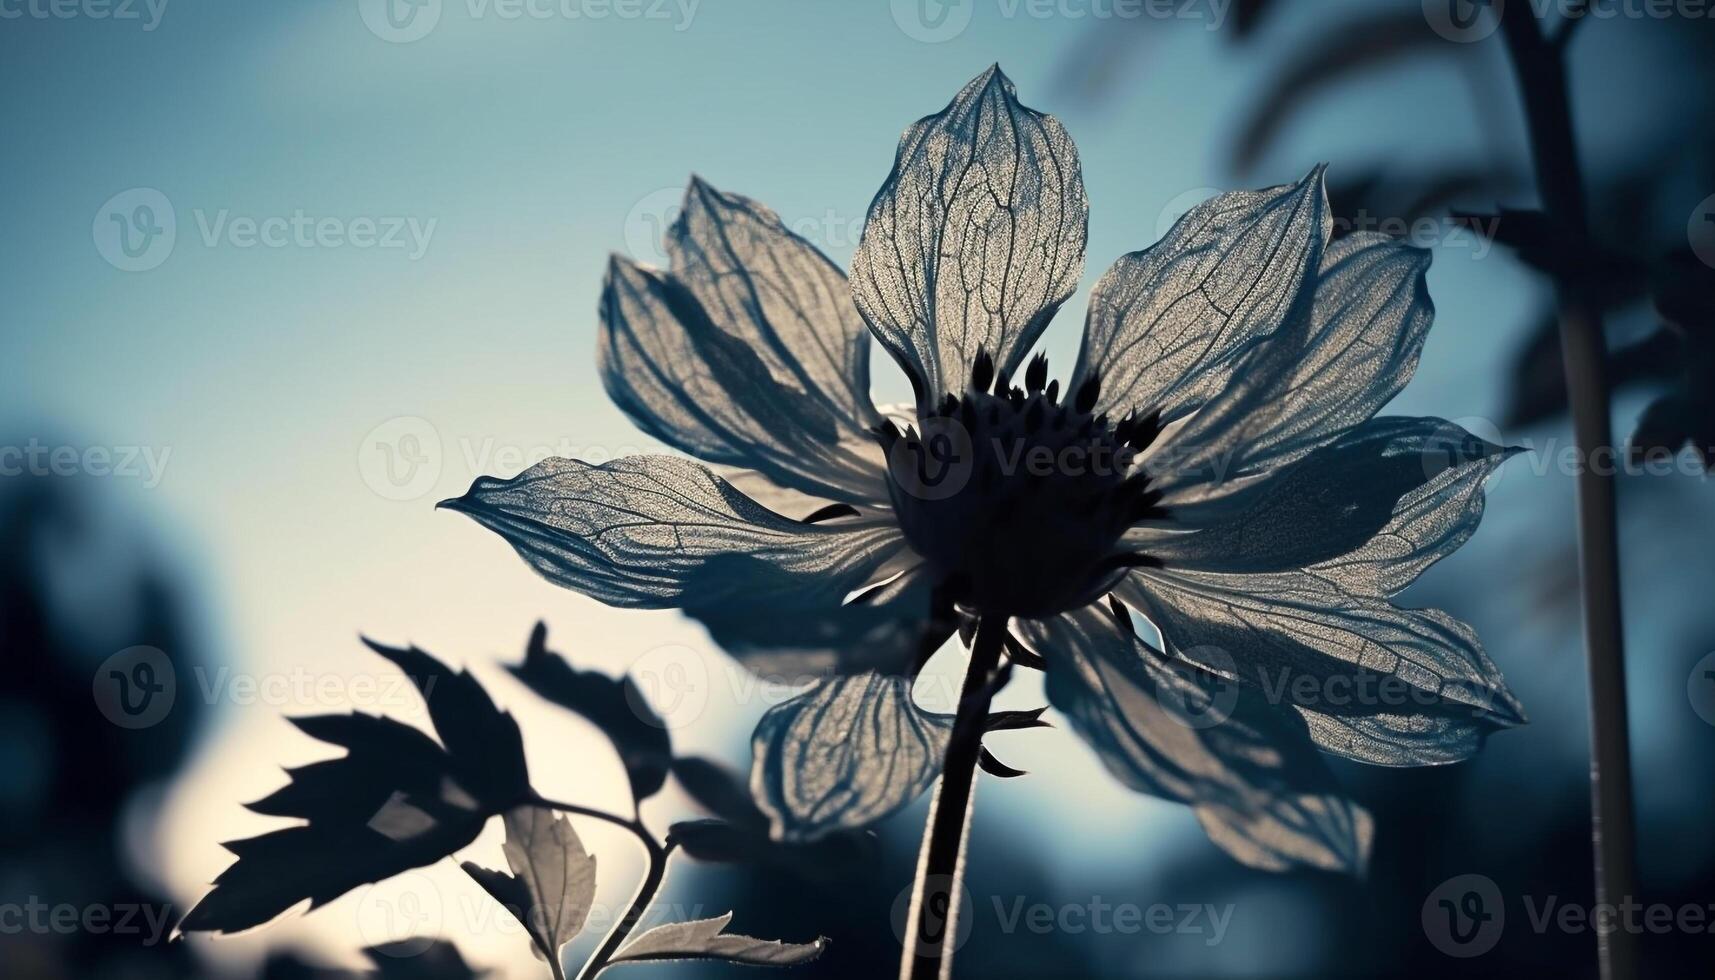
[525, 150]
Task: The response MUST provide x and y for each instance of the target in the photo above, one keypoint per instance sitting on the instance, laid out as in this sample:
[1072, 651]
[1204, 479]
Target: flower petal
[1372, 510]
[1168, 326]
[748, 353]
[1172, 729]
[1376, 683]
[1319, 375]
[975, 239]
[659, 532]
[844, 754]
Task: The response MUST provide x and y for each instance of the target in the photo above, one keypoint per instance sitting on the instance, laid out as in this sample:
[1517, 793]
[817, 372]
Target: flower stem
[1539, 64]
[933, 921]
[653, 877]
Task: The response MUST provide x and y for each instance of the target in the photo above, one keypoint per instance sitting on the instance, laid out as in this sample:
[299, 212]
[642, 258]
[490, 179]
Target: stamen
[1037, 375]
[1088, 392]
[982, 373]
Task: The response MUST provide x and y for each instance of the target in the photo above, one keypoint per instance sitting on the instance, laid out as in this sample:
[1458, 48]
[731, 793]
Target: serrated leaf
[617, 707]
[552, 885]
[1008, 721]
[704, 939]
[397, 800]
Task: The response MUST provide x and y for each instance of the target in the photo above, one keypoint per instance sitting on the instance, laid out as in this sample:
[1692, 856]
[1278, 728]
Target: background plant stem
[1541, 72]
[937, 891]
[655, 874]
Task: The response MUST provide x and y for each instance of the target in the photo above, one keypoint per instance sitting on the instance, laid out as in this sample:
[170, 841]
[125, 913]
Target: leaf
[617, 707]
[1006, 721]
[705, 940]
[397, 800]
[410, 960]
[846, 753]
[997, 768]
[552, 885]
[741, 834]
[975, 238]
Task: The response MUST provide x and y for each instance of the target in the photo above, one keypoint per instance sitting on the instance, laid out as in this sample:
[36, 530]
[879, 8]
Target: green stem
[1540, 66]
[933, 921]
[654, 875]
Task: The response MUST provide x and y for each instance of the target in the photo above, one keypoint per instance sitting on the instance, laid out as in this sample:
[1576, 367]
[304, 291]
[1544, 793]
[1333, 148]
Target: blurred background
[280, 276]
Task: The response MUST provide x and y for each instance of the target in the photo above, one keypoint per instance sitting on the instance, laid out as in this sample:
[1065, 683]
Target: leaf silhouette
[740, 831]
[552, 885]
[617, 707]
[397, 800]
[704, 939]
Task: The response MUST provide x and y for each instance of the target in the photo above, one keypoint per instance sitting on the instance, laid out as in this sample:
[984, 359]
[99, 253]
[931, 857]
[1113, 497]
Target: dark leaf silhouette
[617, 707]
[408, 960]
[397, 800]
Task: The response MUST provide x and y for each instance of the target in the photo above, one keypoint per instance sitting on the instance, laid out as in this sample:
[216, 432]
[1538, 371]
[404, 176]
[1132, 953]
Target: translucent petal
[1319, 375]
[1171, 729]
[1168, 326]
[662, 532]
[844, 754]
[976, 237]
[748, 353]
[1372, 510]
[1376, 683]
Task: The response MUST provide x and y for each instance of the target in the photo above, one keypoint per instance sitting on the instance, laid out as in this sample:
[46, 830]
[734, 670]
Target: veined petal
[748, 353]
[844, 754]
[1173, 729]
[659, 532]
[975, 239]
[1371, 510]
[1168, 326]
[1375, 683]
[1320, 375]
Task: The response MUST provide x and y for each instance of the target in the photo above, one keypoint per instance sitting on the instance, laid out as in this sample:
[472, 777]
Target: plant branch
[933, 920]
[1540, 67]
[656, 873]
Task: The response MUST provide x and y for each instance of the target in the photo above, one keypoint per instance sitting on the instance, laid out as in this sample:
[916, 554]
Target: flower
[1197, 538]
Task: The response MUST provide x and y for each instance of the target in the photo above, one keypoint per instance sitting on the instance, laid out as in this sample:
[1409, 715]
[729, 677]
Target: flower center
[1016, 500]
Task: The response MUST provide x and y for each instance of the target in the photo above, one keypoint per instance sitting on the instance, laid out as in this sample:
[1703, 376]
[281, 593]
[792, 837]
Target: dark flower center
[1016, 500]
